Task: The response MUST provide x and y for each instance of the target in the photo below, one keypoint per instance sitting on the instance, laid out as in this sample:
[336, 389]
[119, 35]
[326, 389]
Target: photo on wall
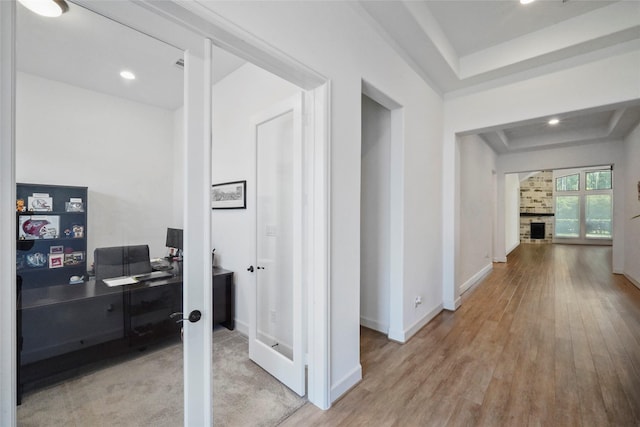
[229, 195]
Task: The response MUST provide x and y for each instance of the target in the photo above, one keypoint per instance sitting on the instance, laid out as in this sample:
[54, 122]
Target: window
[568, 216]
[598, 180]
[568, 183]
[598, 216]
[584, 205]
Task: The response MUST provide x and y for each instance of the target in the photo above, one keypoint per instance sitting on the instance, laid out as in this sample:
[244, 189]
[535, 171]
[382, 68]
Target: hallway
[550, 338]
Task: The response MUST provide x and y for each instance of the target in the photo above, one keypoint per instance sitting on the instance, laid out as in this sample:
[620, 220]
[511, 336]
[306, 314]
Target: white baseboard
[346, 383]
[242, 327]
[404, 336]
[635, 282]
[451, 305]
[374, 324]
[476, 278]
[511, 249]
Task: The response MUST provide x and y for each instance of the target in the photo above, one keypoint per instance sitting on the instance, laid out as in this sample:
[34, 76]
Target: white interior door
[276, 327]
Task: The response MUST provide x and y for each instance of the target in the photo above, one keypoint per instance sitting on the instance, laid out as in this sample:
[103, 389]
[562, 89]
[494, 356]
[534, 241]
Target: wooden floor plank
[550, 338]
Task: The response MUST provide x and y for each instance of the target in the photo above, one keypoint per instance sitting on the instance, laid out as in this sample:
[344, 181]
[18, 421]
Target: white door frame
[8, 360]
[200, 20]
[197, 272]
[184, 25]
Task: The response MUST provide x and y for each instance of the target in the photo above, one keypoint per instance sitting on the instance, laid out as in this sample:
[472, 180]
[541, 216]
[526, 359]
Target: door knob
[194, 316]
[250, 268]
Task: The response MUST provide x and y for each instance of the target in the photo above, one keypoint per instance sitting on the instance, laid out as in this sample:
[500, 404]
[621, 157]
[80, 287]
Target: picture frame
[56, 260]
[56, 249]
[229, 195]
[40, 203]
[74, 206]
[35, 227]
[77, 231]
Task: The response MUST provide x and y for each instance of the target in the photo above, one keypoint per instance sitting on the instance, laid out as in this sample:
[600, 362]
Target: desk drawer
[56, 329]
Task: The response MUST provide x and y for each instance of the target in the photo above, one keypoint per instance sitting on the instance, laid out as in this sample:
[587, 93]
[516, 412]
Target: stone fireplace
[536, 208]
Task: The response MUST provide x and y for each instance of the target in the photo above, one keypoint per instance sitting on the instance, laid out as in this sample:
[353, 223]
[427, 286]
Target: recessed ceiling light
[48, 8]
[128, 75]
[554, 122]
[526, 1]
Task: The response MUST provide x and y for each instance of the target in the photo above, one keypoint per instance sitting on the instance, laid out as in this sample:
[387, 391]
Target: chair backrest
[121, 261]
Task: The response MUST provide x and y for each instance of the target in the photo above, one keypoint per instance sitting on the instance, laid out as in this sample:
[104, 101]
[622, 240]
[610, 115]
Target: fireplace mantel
[536, 214]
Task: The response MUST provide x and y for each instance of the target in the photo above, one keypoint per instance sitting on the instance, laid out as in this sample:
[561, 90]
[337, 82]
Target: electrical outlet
[418, 300]
[272, 313]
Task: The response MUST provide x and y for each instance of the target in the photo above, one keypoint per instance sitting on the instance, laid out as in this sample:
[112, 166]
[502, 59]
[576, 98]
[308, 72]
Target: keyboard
[152, 275]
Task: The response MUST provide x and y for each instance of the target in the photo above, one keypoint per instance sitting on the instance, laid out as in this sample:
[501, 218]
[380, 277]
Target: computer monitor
[174, 238]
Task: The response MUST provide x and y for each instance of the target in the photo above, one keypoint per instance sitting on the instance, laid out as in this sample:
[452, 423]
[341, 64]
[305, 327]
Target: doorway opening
[381, 224]
[375, 209]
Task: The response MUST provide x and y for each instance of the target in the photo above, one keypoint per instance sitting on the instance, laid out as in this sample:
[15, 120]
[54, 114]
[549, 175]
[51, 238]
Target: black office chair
[121, 261]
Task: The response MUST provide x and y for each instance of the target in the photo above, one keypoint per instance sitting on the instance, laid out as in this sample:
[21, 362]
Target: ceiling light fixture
[526, 1]
[127, 75]
[553, 122]
[48, 8]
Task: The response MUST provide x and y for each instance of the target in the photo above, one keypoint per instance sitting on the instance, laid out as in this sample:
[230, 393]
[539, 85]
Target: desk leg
[229, 322]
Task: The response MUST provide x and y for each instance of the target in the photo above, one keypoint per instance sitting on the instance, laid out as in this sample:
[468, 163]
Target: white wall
[591, 83]
[632, 207]
[375, 216]
[121, 150]
[332, 39]
[236, 98]
[511, 213]
[477, 163]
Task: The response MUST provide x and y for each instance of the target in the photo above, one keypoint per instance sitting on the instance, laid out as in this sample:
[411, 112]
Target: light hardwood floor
[551, 338]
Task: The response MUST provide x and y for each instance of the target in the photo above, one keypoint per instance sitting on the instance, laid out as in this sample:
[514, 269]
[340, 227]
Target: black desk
[65, 326]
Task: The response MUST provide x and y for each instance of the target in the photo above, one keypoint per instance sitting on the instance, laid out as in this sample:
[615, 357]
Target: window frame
[582, 193]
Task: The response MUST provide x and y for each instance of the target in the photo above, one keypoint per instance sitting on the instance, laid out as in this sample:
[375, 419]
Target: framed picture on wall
[56, 260]
[229, 195]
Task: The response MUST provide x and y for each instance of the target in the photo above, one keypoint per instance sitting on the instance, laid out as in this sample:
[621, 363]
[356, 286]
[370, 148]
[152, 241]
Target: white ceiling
[608, 124]
[87, 50]
[488, 23]
[453, 45]
[458, 45]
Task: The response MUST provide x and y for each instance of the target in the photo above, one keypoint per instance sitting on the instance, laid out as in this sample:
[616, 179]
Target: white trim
[476, 278]
[197, 277]
[197, 17]
[172, 22]
[452, 305]
[319, 287]
[396, 211]
[242, 327]
[201, 20]
[635, 282]
[511, 249]
[8, 334]
[346, 383]
[406, 335]
[450, 218]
